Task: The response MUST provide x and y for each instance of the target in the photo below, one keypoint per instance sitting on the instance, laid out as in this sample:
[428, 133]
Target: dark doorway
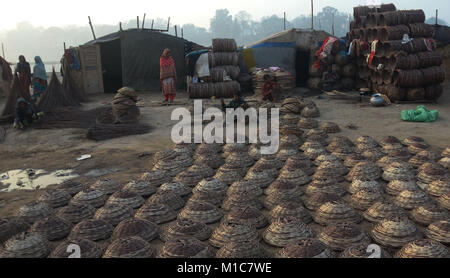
[111, 65]
[301, 67]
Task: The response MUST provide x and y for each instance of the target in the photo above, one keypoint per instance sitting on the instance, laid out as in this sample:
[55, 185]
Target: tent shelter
[129, 58]
[293, 50]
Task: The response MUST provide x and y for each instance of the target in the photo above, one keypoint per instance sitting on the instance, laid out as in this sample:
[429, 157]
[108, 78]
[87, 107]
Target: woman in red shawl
[24, 70]
[168, 76]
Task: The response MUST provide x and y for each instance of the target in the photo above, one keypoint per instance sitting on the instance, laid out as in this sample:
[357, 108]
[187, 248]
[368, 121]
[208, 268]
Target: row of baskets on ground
[218, 90]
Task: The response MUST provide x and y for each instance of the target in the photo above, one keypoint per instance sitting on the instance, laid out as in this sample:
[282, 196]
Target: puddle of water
[32, 179]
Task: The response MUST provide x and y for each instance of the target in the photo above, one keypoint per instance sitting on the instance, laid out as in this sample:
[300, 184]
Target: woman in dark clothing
[25, 114]
[24, 70]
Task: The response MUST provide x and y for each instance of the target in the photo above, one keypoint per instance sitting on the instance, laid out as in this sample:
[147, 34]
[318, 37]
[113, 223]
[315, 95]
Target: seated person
[268, 88]
[25, 114]
[330, 80]
[237, 102]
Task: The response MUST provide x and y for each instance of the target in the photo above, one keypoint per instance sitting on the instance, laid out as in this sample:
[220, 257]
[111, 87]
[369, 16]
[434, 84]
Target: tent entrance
[111, 54]
[301, 67]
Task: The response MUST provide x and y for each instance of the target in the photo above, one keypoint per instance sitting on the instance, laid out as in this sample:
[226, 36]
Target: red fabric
[323, 46]
[166, 61]
[169, 88]
[268, 87]
[167, 68]
[371, 58]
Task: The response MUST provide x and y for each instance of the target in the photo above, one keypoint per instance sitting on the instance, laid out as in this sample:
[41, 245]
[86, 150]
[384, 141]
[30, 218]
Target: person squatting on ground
[24, 70]
[25, 114]
[168, 76]
[268, 88]
[237, 102]
[330, 80]
[39, 78]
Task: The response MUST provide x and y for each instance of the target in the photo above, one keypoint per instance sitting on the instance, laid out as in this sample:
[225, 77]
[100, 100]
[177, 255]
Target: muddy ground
[129, 157]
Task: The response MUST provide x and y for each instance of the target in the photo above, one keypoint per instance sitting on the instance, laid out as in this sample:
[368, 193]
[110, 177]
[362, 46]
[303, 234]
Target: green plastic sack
[421, 114]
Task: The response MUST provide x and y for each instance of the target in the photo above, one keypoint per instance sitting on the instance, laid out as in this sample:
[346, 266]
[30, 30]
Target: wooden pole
[64, 47]
[437, 13]
[137, 21]
[312, 14]
[320, 24]
[176, 31]
[153, 21]
[168, 24]
[3, 51]
[284, 20]
[120, 26]
[332, 25]
[143, 21]
[92, 28]
[182, 35]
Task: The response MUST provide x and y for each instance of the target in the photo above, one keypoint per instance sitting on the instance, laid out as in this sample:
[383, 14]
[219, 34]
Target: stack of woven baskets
[403, 68]
[224, 71]
[284, 79]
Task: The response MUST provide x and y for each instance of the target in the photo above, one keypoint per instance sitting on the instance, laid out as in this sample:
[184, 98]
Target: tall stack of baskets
[401, 68]
[223, 63]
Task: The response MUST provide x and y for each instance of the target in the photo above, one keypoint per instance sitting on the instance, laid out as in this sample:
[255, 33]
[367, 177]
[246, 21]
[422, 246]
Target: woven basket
[307, 123]
[352, 159]
[92, 197]
[334, 212]
[411, 199]
[382, 210]
[340, 236]
[242, 250]
[365, 198]
[438, 188]
[176, 188]
[34, 211]
[241, 199]
[306, 248]
[423, 248]
[260, 178]
[360, 252]
[185, 248]
[107, 186]
[11, 226]
[444, 201]
[230, 231]
[88, 249]
[290, 209]
[55, 197]
[129, 247]
[76, 212]
[343, 152]
[439, 231]
[184, 228]
[136, 227]
[244, 186]
[25, 245]
[364, 171]
[126, 198]
[316, 200]
[155, 178]
[141, 188]
[324, 186]
[71, 187]
[201, 212]
[358, 185]
[114, 213]
[156, 213]
[224, 45]
[247, 215]
[428, 213]
[400, 171]
[285, 231]
[173, 201]
[52, 228]
[395, 232]
[299, 161]
[92, 229]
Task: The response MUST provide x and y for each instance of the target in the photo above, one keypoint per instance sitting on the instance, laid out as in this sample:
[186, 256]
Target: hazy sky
[48, 13]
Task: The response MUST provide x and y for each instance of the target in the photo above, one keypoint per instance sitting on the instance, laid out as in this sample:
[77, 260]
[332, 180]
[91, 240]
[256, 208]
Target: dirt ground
[133, 155]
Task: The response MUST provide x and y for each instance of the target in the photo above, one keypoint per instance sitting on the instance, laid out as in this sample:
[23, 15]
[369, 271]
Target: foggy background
[29, 40]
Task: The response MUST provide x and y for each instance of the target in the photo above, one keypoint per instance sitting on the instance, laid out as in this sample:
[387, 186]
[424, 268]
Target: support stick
[92, 28]
[64, 47]
[137, 21]
[312, 14]
[437, 13]
[182, 35]
[120, 26]
[3, 51]
[153, 21]
[168, 24]
[284, 21]
[332, 25]
[143, 21]
[176, 31]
